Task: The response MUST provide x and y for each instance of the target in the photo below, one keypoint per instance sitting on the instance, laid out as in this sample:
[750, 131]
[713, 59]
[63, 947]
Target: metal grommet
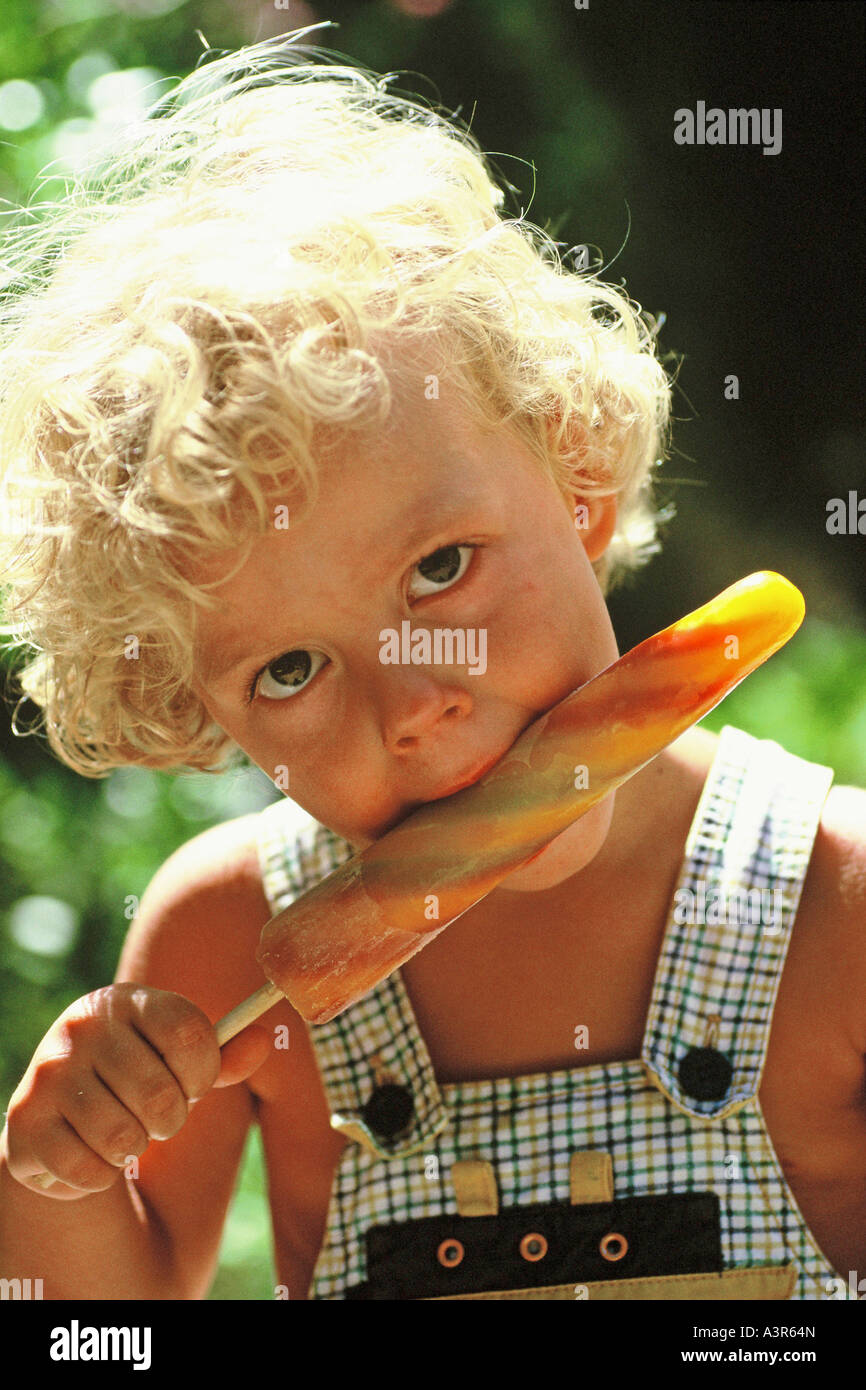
[613, 1246]
[450, 1253]
[533, 1246]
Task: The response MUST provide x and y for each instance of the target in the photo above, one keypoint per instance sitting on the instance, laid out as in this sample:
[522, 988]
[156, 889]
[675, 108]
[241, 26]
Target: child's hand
[120, 1067]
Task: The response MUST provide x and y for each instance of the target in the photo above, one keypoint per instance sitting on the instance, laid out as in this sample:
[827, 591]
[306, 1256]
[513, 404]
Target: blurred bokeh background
[752, 259]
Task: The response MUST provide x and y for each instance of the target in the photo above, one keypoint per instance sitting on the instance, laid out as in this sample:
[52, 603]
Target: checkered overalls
[646, 1179]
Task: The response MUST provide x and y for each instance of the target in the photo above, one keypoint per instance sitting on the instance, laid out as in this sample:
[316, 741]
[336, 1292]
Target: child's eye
[292, 672]
[444, 567]
[289, 673]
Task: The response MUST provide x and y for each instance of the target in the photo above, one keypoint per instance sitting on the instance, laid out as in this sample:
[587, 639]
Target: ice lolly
[339, 940]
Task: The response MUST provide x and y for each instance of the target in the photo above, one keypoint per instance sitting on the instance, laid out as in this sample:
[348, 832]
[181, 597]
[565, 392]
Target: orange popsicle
[336, 942]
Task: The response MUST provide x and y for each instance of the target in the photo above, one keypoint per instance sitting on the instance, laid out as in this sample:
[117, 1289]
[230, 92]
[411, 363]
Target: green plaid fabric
[715, 986]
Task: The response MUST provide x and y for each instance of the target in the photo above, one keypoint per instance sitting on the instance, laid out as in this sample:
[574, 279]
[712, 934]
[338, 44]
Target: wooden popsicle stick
[247, 1012]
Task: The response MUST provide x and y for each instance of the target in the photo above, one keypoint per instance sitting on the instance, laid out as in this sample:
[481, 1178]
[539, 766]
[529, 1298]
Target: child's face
[364, 742]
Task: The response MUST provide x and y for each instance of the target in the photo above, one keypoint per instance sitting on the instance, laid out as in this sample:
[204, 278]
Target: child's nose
[415, 705]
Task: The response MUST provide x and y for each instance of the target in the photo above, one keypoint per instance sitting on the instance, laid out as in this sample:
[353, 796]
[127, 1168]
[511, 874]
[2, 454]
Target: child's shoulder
[833, 905]
[199, 920]
[831, 917]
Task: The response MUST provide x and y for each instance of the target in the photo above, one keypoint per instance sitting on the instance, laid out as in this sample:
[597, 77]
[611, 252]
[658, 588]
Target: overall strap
[375, 1068]
[729, 925]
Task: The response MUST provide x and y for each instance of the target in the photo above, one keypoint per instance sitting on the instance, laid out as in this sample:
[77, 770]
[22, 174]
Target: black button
[705, 1073]
[389, 1110]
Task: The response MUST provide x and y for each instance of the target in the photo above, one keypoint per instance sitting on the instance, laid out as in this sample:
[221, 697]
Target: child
[290, 383]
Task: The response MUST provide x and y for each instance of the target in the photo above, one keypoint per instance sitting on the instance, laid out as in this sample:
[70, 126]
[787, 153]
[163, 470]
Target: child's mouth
[469, 780]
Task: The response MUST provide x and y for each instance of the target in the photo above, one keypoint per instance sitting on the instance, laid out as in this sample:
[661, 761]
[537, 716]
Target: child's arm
[155, 1235]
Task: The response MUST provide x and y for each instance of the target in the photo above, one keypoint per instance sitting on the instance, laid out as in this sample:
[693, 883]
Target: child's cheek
[536, 650]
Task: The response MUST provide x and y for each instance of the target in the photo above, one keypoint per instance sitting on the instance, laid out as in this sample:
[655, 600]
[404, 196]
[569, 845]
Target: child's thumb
[244, 1054]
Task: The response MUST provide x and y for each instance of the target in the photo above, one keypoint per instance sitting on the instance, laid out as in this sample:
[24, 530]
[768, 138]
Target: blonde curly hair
[180, 329]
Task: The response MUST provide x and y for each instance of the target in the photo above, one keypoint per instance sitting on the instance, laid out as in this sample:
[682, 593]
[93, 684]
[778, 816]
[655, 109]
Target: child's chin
[566, 855]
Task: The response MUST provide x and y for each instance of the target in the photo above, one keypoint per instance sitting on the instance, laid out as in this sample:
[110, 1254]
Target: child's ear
[594, 517]
[595, 523]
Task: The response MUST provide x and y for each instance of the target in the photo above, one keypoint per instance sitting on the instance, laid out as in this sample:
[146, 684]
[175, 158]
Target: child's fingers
[182, 1034]
[143, 1084]
[244, 1054]
[102, 1123]
[72, 1168]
